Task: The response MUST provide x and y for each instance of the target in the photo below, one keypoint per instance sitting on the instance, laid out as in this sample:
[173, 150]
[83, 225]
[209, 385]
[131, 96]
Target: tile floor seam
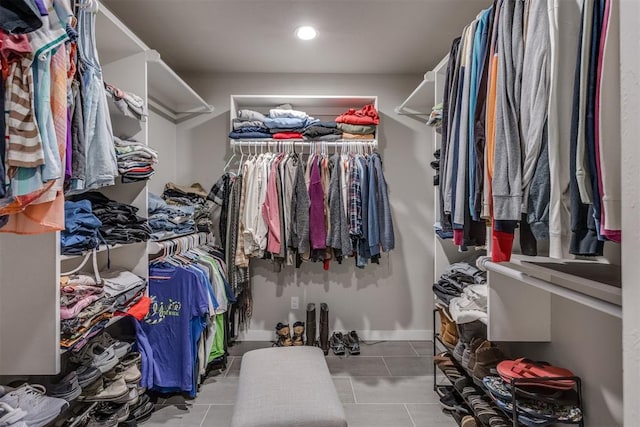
[413, 348]
[386, 366]
[205, 416]
[353, 391]
[410, 416]
[226, 371]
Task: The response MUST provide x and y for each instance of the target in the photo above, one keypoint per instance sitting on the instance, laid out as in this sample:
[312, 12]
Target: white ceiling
[354, 36]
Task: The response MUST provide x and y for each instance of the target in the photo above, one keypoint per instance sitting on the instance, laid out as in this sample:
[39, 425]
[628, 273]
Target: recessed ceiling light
[306, 33]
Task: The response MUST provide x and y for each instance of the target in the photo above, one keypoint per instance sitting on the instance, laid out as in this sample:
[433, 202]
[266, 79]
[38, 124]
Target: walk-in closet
[284, 213]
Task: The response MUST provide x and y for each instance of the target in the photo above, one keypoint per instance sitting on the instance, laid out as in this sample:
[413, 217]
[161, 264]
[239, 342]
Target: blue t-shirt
[177, 298]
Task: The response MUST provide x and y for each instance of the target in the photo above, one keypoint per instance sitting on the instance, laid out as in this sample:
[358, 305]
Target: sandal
[527, 369]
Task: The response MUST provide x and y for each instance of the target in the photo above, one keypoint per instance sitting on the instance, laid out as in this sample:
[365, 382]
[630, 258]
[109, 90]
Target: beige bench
[287, 387]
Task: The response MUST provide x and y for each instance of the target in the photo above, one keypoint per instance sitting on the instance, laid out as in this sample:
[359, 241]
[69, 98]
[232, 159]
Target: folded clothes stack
[86, 305]
[135, 160]
[359, 124]
[322, 131]
[166, 221]
[120, 222]
[455, 278]
[194, 195]
[130, 104]
[82, 227]
[286, 123]
[249, 125]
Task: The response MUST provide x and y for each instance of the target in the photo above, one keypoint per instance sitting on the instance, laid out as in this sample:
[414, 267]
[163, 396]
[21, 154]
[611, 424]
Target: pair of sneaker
[103, 353]
[341, 343]
[28, 405]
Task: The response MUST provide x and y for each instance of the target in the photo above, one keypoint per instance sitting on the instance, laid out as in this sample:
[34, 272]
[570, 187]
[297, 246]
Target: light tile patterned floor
[389, 385]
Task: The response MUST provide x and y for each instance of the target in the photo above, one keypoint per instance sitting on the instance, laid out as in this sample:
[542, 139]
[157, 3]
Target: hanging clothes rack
[284, 145]
[179, 244]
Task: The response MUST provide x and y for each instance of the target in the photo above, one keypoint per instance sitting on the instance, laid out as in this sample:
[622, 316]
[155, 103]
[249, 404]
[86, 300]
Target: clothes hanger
[233, 156]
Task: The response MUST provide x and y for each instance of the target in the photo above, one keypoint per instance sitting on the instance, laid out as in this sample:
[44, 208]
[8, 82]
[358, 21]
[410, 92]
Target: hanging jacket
[338, 237]
[299, 234]
[387, 237]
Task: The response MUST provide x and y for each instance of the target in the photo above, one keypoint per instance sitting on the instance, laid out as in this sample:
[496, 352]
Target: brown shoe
[487, 358]
[448, 331]
[284, 337]
[298, 333]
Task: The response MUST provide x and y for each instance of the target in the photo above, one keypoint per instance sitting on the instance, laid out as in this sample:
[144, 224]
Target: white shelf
[520, 294]
[166, 89]
[169, 90]
[100, 249]
[420, 101]
[314, 105]
[113, 39]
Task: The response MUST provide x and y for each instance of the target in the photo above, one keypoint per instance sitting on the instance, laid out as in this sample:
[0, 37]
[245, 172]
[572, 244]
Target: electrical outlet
[295, 303]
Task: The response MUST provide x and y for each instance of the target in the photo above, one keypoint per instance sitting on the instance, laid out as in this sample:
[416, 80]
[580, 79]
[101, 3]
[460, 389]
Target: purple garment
[178, 296]
[317, 230]
[67, 167]
[41, 7]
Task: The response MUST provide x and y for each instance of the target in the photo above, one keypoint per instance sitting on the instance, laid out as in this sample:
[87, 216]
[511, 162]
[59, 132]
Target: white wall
[390, 301]
[630, 110]
[163, 138]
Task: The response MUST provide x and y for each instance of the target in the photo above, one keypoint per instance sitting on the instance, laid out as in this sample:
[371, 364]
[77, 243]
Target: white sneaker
[10, 415]
[40, 409]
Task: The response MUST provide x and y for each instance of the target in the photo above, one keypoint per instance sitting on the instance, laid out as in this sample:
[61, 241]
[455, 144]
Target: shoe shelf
[511, 412]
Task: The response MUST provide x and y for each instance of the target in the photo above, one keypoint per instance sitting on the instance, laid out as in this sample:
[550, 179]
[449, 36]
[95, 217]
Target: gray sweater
[507, 169]
[535, 94]
[338, 236]
[299, 234]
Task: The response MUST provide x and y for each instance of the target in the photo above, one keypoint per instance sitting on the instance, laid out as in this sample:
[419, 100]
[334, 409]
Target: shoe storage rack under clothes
[439, 346]
[30, 266]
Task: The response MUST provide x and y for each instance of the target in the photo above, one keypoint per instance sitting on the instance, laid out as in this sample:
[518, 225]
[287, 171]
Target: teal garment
[480, 41]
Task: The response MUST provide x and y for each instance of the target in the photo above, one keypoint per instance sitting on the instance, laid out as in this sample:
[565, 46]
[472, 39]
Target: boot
[324, 328]
[284, 339]
[298, 333]
[311, 324]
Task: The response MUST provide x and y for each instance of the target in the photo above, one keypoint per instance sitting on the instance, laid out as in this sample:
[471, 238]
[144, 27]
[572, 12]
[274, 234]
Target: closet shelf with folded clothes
[99, 249]
[303, 118]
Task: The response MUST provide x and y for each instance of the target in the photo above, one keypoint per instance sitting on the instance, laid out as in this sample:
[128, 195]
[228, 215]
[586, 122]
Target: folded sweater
[367, 115]
[359, 129]
[249, 135]
[287, 135]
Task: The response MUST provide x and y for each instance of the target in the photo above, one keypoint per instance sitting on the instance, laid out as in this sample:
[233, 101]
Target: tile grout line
[205, 416]
[409, 412]
[226, 372]
[353, 391]
[413, 348]
[386, 366]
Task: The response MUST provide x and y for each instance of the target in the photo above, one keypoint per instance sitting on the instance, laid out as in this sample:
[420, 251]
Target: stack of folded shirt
[81, 228]
[166, 221]
[120, 222]
[86, 305]
[194, 195]
[135, 160]
[322, 131]
[286, 123]
[359, 124]
[455, 279]
[131, 105]
[249, 125]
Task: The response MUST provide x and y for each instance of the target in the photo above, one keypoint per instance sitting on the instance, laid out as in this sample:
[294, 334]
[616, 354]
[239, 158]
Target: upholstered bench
[287, 387]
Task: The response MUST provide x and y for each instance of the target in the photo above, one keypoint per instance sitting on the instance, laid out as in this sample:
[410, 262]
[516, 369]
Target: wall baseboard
[370, 335]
